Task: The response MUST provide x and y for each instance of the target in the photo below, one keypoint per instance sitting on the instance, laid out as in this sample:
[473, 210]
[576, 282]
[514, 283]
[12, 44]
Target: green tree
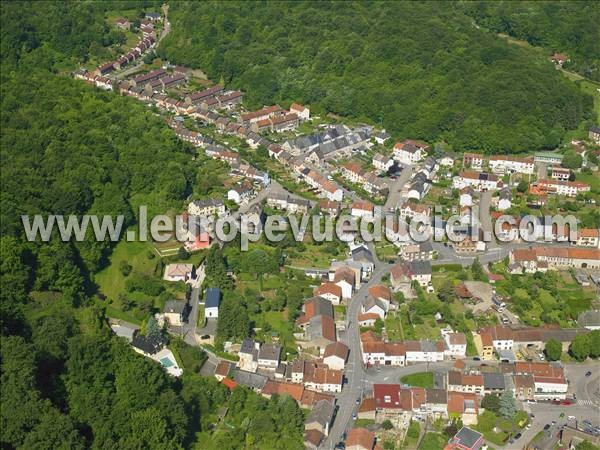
[508, 405]
[152, 328]
[387, 424]
[553, 350]
[594, 338]
[522, 186]
[446, 292]
[477, 270]
[586, 445]
[580, 347]
[572, 160]
[491, 402]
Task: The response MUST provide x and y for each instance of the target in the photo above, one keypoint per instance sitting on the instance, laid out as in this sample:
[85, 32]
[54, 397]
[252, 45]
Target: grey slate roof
[420, 267]
[493, 381]
[213, 298]
[252, 380]
[270, 352]
[322, 413]
[467, 437]
[174, 306]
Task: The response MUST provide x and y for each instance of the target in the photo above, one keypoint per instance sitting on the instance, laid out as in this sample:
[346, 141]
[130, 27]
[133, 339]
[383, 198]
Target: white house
[302, 112]
[456, 343]
[382, 163]
[212, 302]
[424, 351]
[205, 207]
[375, 306]
[504, 199]
[362, 209]
[511, 164]
[178, 272]
[466, 196]
[269, 356]
[481, 180]
[336, 355]
[409, 152]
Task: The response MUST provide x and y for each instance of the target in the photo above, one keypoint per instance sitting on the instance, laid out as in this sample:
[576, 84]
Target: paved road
[354, 371]
[394, 199]
[190, 327]
[486, 220]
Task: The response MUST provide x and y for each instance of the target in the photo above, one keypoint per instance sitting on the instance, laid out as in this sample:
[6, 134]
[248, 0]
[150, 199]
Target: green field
[110, 280]
[433, 441]
[420, 379]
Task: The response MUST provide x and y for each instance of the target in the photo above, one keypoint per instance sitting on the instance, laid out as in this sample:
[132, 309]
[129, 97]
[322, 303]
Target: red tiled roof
[380, 291]
[361, 437]
[329, 288]
[229, 383]
[387, 395]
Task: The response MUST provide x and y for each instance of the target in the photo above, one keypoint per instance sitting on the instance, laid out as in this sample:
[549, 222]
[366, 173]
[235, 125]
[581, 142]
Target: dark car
[517, 436]
[476, 358]
[546, 427]
[588, 373]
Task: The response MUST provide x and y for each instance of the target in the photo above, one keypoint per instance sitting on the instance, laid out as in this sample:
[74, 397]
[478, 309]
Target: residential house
[222, 370]
[511, 164]
[549, 380]
[362, 209]
[560, 173]
[363, 255]
[360, 439]
[240, 193]
[456, 344]
[330, 207]
[382, 163]
[409, 151]
[320, 417]
[147, 345]
[473, 161]
[422, 251]
[301, 111]
[261, 114]
[446, 161]
[269, 356]
[122, 23]
[424, 351]
[504, 199]
[467, 194]
[175, 312]
[336, 355]
[375, 306]
[463, 405]
[330, 291]
[567, 188]
[313, 439]
[254, 381]
[382, 137]
[524, 387]
[588, 237]
[212, 302]
[345, 278]
[466, 439]
[401, 280]
[196, 98]
[479, 180]
[410, 210]
[317, 323]
[179, 272]
[594, 134]
[484, 344]
[323, 379]
[493, 383]
[207, 207]
[248, 355]
[420, 271]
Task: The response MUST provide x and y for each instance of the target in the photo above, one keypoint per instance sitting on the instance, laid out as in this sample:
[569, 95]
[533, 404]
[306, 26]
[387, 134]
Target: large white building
[511, 164]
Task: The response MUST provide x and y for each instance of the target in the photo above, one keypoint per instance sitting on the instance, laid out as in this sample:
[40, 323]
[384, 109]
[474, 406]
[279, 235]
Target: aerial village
[396, 334]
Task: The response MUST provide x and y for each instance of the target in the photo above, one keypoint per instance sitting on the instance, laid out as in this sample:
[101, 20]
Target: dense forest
[419, 69]
[68, 148]
[566, 27]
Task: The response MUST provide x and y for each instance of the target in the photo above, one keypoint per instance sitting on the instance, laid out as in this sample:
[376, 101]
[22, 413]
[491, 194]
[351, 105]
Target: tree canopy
[419, 69]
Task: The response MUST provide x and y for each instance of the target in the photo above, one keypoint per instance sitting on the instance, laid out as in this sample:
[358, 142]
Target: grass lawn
[363, 423]
[317, 256]
[116, 313]
[280, 327]
[110, 280]
[420, 379]
[190, 357]
[433, 441]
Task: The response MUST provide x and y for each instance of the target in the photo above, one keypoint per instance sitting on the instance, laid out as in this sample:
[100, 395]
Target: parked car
[588, 373]
[517, 436]
[546, 427]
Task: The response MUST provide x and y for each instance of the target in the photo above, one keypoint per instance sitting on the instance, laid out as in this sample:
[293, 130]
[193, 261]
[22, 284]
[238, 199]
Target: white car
[542, 357]
[571, 418]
